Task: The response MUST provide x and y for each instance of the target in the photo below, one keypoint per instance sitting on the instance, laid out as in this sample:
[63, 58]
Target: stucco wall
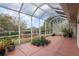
[78, 35]
[78, 30]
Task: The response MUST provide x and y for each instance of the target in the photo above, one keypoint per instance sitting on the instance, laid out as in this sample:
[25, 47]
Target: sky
[29, 9]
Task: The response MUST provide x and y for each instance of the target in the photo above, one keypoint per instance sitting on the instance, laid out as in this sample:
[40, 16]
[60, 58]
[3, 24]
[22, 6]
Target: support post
[49, 28]
[52, 27]
[31, 29]
[45, 28]
[39, 30]
[19, 29]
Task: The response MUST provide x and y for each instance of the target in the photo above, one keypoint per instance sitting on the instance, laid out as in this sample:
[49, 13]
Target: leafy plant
[40, 42]
[2, 48]
[67, 32]
[36, 42]
[44, 41]
[7, 41]
[9, 44]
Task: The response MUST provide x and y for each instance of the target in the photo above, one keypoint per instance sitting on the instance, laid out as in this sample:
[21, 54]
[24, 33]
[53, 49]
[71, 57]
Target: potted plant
[53, 34]
[10, 46]
[67, 32]
[44, 41]
[70, 33]
[40, 42]
[2, 49]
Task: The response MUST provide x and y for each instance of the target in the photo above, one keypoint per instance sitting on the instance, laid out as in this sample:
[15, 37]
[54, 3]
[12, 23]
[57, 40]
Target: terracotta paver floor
[59, 46]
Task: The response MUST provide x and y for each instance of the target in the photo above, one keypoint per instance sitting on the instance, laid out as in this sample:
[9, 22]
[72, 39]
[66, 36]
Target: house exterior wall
[71, 11]
[78, 29]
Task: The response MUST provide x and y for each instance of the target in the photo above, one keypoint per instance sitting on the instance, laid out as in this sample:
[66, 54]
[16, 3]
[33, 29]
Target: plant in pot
[70, 32]
[2, 49]
[36, 41]
[44, 41]
[53, 34]
[40, 42]
[10, 46]
[67, 32]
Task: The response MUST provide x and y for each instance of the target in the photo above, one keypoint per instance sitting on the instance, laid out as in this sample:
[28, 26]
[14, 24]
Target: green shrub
[14, 33]
[40, 42]
[7, 33]
[4, 34]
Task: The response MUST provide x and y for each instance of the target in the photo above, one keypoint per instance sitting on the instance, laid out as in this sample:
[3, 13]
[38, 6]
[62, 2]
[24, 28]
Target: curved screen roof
[37, 10]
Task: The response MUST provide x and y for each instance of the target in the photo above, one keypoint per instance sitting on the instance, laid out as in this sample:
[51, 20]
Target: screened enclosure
[24, 21]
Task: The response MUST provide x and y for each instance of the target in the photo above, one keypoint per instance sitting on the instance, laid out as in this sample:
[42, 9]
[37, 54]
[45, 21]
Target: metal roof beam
[17, 11]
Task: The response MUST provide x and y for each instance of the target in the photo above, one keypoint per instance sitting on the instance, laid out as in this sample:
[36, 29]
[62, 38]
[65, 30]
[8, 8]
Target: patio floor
[59, 46]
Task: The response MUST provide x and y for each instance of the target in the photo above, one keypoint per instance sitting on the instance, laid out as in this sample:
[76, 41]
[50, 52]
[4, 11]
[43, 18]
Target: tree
[8, 23]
